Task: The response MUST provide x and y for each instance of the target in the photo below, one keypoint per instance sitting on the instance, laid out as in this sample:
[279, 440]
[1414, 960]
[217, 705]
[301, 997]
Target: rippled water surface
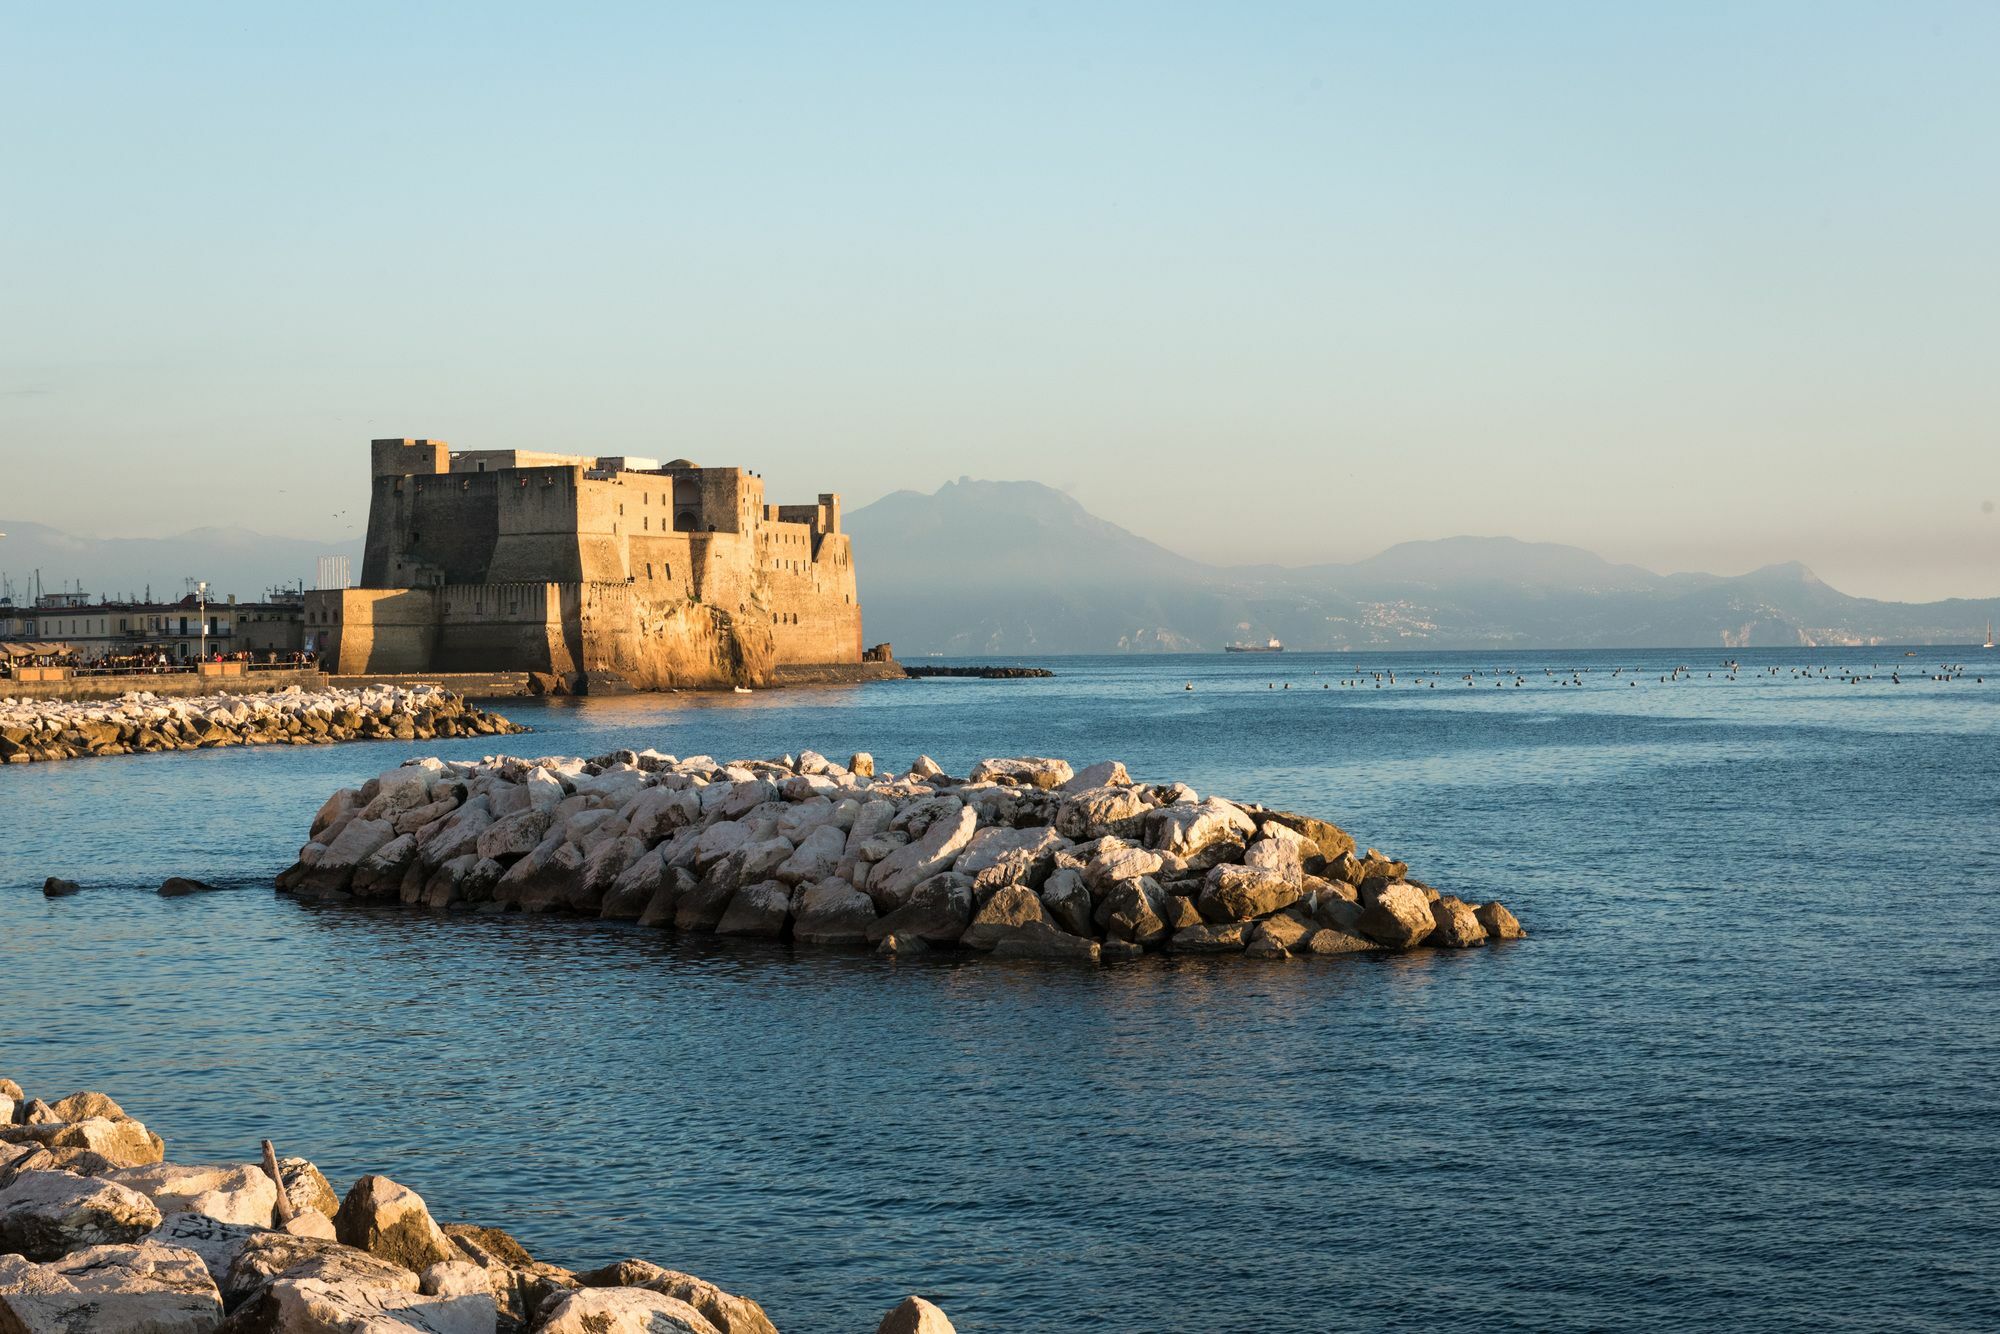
[1744, 1073]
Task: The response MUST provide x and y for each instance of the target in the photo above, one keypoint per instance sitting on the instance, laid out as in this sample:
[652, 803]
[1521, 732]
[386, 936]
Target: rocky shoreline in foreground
[1025, 857]
[41, 730]
[98, 1232]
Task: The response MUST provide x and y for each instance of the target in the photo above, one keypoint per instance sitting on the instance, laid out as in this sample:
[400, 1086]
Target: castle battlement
[664, 574]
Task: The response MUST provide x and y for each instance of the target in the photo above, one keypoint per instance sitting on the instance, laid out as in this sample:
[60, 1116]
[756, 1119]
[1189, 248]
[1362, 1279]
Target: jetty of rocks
[99, 1232]
[1024, 857]
[55, 729]
[982, 673]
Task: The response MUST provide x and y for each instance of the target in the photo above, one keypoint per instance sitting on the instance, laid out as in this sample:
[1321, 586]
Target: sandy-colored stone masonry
[657, 575]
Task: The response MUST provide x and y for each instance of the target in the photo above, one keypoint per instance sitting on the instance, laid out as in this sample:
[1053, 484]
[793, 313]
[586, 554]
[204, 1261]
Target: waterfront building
[613, 568]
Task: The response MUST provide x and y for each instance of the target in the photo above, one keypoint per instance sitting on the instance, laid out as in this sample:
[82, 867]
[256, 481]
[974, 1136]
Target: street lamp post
[201, 612]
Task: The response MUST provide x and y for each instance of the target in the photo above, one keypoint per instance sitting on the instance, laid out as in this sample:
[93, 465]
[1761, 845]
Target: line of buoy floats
[1568, 677]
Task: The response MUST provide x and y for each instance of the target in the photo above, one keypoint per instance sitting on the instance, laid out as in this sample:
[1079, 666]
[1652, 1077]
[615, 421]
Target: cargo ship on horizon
[1272, 647]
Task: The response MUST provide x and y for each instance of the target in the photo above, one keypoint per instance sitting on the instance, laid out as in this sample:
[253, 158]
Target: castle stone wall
[678, 576]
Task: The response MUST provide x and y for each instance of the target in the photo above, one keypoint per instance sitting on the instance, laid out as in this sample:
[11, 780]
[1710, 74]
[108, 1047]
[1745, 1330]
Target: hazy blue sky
[1700, 286]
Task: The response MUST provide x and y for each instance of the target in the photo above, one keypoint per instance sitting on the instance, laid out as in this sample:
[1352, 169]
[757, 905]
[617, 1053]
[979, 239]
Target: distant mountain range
[232, 560]
[997, 568]
[984, 568]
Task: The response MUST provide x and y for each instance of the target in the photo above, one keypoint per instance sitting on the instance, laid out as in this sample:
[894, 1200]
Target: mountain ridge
[1017, 567]
[998, 567]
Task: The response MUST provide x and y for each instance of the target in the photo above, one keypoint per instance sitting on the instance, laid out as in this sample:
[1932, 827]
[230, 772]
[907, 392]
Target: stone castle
[610, 570]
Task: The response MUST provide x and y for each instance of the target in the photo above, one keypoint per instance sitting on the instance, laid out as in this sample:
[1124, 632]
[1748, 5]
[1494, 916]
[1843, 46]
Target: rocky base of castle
[1024, 858]
[98, 1232]
[52, 729]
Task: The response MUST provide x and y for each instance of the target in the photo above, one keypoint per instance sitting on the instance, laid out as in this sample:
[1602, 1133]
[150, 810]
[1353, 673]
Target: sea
[1743, 1074]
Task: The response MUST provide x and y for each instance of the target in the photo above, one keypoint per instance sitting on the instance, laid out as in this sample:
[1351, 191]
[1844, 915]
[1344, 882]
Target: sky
[1695, 286]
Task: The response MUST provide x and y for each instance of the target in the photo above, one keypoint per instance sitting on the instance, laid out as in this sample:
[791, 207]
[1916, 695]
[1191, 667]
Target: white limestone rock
[46, 1215]
[226, 1192]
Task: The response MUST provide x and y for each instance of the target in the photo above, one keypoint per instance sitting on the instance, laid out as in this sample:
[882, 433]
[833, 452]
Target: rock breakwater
[99, 1232]
[34, 730]
[981, 673]
[1024, 857]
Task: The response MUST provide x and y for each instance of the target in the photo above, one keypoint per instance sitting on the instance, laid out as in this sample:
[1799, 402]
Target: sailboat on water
[1989, 636]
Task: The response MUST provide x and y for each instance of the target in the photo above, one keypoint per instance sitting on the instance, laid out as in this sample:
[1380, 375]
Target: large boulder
[218, 1244]
[871, 821]
[1499, 923]
[138, 1288]
[762, 857]
[1458, 926]
[1045, 940]
[1105, 773]
[1187, 828]
[756, 910]
[624, 1311]
[1331, 842]
[123, 1143]
[1115, 861]
[659, 811]
[635, 887]
[514, 835]
[359, 839]
[989, 847]
[18, 1158]
[1279, 855]
[390, 1222]
[46, 1215]
[1008, 913]
[1025, 770]
[719, 840]
[1285, 931]
[1326, 940]
[1397, 915]
[379, 873]
[819, 851]
[521, 1285]
[1131, 910]
[1241, 893]
[1068, 902]
[937, 912]
[891, 881]
[833, 912]
[729, 1313]
[1210, 938]
[701, 907]
[660, 909]
[228, 1193]
[316, 1306]
[602, 866]
[1097, 811]
[88, 1105]
[914, 1315]
[269, 1257]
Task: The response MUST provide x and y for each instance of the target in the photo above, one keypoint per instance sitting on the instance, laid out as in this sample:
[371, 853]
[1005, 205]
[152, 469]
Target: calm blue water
[1744, 1074]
